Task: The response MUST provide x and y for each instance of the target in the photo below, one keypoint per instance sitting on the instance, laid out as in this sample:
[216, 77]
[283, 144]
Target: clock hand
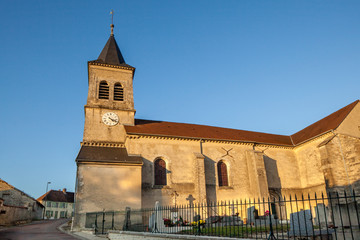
[114, 120]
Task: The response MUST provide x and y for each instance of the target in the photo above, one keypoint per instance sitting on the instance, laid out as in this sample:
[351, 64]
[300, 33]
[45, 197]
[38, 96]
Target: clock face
[110, 119]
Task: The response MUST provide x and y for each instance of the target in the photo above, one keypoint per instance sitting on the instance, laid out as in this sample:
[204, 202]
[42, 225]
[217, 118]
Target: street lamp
[47, 185]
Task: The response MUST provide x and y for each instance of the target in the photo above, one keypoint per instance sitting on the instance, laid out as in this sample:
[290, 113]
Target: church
[128, 162]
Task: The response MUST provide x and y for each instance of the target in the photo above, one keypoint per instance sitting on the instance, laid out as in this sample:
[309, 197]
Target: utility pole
[47, 185]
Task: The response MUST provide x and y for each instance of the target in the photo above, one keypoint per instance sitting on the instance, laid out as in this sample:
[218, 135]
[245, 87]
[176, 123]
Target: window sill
[225, 188]
[161, 187]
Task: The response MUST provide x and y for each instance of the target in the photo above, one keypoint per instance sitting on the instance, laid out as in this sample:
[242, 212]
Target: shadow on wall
[342, 189]
[272, 173]
[150, 193]
[210, 179]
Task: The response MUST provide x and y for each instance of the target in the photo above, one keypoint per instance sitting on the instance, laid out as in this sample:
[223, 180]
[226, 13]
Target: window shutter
[118, 92]
[103, 90]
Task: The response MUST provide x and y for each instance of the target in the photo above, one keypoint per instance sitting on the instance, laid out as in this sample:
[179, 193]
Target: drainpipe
[342, 156]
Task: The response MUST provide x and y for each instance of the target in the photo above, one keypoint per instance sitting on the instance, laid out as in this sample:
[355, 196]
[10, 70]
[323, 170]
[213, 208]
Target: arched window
[118, 92]
[222, 174]
[160, 172]
[103, 90]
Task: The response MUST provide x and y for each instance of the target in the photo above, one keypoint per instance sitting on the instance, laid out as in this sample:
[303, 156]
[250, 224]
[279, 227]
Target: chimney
[64, 190]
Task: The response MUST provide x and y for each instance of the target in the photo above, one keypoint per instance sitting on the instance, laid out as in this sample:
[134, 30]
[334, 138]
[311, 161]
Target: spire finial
[112, 23]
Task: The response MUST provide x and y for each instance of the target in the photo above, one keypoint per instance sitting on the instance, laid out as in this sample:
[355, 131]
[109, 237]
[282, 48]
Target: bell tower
[110, 101]
[107, 177]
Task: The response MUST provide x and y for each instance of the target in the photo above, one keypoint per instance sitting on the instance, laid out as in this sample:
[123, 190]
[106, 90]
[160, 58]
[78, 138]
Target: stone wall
[249, 168]
[10, 215]
[109, 187]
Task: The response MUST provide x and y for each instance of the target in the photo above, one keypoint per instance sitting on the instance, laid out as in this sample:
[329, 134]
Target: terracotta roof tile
[326, 124]
[205, 132]
[172, 129]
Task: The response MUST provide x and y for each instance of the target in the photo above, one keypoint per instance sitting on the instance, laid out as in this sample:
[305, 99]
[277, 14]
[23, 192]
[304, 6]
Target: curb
[60, 228]
[73, 234]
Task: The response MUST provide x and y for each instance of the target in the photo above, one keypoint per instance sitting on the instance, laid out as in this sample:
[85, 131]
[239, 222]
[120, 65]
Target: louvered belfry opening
[160, 172]
[103, 90]
[118, 92]
[222, 174]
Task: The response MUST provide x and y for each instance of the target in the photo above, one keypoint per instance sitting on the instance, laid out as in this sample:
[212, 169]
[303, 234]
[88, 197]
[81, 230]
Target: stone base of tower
[110, 185]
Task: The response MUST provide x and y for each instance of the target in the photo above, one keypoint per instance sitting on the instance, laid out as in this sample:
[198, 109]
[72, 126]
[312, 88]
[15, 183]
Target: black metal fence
[335, 216]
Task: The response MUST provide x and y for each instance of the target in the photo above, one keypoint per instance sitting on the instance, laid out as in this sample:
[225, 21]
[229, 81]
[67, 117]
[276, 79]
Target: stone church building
[128, 162]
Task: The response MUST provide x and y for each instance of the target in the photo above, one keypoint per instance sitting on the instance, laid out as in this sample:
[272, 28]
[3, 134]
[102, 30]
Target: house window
[49, 214]
[222, 174]
[103, 90]
[48, 204]
[118, 92]
[160, 172]
[62, 214]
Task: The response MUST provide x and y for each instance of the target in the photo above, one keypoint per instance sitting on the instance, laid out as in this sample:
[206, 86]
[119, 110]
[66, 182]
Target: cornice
[321, 136]
[109, 163]
[103, 144]
[110, 66]
[189, 139]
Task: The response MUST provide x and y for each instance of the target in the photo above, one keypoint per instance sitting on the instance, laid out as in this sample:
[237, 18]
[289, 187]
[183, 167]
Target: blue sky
[267, 66]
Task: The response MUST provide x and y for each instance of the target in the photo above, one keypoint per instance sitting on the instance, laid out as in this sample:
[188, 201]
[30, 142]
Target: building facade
[17, 206]
[58, 204]
[128, 162]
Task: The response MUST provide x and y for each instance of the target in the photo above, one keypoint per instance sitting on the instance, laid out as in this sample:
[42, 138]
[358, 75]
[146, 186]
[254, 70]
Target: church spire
[111, 53]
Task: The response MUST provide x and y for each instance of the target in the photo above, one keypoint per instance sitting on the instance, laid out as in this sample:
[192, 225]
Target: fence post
[127, 221]
[112, 220]
[348, 213]
[95, 224]
[271, 233]
[103, 222]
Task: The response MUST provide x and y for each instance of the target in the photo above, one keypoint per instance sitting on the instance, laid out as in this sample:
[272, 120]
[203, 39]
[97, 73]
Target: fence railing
[334, 216]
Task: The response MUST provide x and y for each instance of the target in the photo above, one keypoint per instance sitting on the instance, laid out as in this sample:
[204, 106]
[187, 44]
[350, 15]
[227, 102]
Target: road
[42, 230]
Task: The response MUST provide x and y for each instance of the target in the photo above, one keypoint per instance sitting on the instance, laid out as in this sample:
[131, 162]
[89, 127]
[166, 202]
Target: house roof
[57, 196]
[6, 186]
[162, 128]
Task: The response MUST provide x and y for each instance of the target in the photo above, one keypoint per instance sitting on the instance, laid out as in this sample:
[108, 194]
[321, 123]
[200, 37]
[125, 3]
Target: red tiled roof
[57, 196]
[6, 186]
[161, 128]
[326, 124]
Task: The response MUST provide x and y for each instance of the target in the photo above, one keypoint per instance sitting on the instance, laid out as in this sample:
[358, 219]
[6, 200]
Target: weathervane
[112, 22]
